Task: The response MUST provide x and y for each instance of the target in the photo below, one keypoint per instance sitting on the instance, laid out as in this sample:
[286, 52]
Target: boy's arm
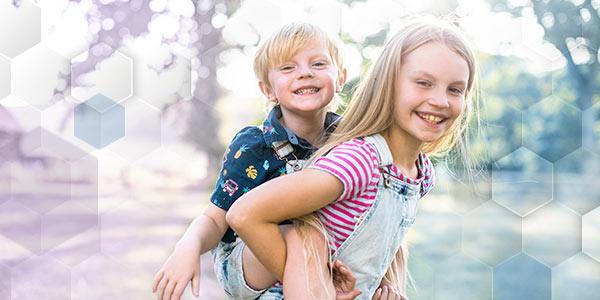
[256, 217]
[183, 264]
[206, 230]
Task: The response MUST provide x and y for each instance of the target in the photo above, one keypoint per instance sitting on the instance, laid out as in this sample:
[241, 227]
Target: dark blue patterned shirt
[258, 154]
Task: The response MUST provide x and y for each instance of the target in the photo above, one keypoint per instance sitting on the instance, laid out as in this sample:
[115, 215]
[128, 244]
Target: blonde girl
[363, 187]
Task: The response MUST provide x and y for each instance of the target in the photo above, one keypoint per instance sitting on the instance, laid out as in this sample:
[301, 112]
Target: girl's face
[306, 83]
[429, 92]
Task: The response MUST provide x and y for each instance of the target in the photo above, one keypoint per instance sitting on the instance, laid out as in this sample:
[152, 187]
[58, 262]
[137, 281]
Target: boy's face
[305, 83]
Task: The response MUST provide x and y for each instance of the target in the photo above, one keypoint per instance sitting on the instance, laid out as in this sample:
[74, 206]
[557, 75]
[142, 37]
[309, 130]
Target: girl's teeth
[431, 118]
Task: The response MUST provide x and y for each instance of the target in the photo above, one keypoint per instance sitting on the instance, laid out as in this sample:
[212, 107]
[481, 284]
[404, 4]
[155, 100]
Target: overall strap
[383, 151]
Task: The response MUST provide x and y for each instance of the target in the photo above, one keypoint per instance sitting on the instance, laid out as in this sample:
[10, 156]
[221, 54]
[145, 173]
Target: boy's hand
[182, 266]
[387, 292]
[344, 282]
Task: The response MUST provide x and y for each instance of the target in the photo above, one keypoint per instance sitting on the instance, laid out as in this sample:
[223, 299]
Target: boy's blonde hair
[286, 43]
[371, 110]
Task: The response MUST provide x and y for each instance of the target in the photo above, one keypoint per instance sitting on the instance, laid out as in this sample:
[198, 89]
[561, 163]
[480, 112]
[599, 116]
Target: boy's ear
[341, 80]
[266, 91]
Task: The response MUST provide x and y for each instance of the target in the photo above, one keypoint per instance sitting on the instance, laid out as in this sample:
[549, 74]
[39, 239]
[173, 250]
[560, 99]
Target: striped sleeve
[428, 176]
[352, 163]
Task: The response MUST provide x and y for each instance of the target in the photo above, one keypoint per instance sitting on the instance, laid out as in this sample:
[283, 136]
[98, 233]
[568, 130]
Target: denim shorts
[227, 258]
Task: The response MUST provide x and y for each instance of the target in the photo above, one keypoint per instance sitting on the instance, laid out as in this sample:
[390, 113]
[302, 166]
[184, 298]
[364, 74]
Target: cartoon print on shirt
[230, 187]
[242, 149]
[251, 172]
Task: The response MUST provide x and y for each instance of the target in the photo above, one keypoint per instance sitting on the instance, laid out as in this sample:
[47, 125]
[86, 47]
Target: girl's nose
[439, 98]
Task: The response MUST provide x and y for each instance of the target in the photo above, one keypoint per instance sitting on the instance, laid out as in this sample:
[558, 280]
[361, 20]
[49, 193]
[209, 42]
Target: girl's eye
[456, 91]
[286, 68]
[319, 64]
[424, 83]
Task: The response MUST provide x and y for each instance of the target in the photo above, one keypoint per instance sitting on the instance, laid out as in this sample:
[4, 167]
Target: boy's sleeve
[243, 167]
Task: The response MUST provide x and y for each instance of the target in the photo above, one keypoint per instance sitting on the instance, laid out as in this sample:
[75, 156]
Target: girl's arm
[257, 216]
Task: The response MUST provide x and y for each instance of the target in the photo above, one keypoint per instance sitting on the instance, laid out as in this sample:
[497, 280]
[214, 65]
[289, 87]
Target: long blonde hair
[371, 108]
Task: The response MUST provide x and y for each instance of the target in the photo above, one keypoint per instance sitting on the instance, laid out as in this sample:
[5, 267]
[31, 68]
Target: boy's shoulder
[248, 145]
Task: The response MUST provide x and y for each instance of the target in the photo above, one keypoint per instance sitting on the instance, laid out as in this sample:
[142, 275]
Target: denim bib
[371, 248]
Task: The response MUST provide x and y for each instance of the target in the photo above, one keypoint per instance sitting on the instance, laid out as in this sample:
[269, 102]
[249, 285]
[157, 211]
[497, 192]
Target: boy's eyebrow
[425, 74]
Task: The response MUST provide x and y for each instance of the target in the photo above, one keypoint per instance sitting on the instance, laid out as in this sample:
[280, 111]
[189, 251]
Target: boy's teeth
[307, 91]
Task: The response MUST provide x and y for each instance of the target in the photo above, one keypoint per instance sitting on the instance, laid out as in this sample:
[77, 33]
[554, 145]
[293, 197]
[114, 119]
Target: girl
[365, 182]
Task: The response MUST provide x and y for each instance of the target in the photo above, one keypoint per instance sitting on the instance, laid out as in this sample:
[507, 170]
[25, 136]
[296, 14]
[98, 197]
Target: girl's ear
[266, 90]
[341, 80]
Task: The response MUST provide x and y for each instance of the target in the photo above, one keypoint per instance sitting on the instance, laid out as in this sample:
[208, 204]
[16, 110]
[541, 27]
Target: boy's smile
[306, 82]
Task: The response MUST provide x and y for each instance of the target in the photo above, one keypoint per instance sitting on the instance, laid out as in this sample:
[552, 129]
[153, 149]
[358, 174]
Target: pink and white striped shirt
[355, 164]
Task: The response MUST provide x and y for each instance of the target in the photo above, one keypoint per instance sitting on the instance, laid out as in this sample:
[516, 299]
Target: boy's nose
[305, 72]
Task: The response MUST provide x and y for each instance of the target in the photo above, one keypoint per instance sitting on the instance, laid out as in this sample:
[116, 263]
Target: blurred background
[114, 116]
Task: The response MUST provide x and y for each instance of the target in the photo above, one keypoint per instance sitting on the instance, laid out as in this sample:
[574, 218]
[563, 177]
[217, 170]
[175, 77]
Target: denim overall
[371, 248]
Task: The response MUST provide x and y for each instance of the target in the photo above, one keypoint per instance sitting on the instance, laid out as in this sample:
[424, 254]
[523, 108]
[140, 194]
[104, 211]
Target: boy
[299, 70]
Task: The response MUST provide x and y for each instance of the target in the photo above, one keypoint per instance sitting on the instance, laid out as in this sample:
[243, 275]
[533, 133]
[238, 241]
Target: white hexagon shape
[79, 247]
[552, 234]
[5, 179]
[41, 277]
[4, 77]
[163, 170]
[522, 181]
[456, 190]
[40, 76]
[423, 273]
[461, 277]
[96, 271]
[575, 181]
[590, 233]
[140, 219]
[21, 25]
[12, 252]
[57, 171]
[159, 77]
[552, 120]
[522, 277]
[436, 234]
[577, 278]
[65, 222]
[491, 233]
[142, 131]
[591, 119]
[96, 72]
[4, 282]
[21, 225]
[503, 128]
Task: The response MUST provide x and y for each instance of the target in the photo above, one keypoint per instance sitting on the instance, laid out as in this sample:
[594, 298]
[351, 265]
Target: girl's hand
[182, 266]
[387, 292]
[344, 282]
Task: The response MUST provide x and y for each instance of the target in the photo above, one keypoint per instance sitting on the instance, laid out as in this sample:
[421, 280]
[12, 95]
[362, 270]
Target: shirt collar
[274, 132]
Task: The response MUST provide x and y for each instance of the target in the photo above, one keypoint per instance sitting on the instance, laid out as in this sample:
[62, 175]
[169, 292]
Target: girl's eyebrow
[425, 74]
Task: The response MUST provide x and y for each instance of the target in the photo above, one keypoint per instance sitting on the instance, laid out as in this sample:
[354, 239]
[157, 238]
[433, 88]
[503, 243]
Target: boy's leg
[302, 279]
[255, 274]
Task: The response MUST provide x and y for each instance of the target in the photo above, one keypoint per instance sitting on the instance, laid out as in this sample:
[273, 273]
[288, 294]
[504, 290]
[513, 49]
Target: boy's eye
[319, 64]
[286, 68]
